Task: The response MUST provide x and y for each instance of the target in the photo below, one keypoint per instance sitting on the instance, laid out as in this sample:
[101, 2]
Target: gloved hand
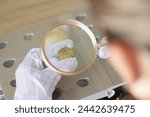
[35, 82]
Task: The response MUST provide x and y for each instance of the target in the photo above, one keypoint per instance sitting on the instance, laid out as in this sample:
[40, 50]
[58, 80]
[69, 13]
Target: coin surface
[65, 53]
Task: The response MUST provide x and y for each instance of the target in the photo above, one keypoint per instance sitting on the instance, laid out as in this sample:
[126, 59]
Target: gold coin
[65, 53]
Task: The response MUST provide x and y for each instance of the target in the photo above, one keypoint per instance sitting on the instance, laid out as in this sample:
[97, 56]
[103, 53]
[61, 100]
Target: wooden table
[17, 13]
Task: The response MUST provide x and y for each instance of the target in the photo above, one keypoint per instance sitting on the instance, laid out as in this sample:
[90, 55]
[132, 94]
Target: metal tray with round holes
[15, 45]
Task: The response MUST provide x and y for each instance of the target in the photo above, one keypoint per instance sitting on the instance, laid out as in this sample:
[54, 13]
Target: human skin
[128, 23]
[133, 66]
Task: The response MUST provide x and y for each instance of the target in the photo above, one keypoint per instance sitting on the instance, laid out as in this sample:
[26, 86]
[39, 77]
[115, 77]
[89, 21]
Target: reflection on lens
[73, 42]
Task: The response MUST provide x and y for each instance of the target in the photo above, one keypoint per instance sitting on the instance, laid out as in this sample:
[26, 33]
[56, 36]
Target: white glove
[35, 82]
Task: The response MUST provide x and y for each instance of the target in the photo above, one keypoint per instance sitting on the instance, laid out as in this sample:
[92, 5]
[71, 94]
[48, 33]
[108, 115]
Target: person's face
[126, 24]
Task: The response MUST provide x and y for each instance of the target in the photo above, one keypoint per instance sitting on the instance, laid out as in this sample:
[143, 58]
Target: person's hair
[129, 19]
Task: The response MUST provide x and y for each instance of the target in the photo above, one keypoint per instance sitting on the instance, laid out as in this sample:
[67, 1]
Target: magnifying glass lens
[69, 47]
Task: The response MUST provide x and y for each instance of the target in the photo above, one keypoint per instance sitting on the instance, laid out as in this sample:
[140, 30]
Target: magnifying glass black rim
[83, 27]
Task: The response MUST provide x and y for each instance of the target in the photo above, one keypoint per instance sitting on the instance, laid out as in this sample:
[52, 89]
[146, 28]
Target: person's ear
[123, 58]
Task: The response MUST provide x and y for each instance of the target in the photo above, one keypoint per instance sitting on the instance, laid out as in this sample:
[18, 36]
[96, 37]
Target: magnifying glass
[69, 39]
